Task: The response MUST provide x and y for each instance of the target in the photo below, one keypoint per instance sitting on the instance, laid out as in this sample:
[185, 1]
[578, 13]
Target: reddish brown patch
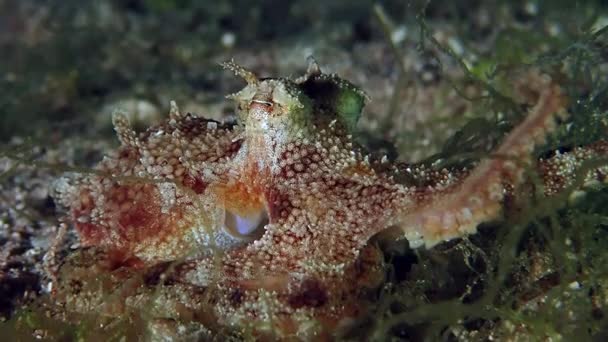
[195, 183]
[600, 147]
[89, 233]
[118, 259]
[310, 294]
[279, 205]
[367, 269]
[235, 146]
[131, 214]
[138, 217]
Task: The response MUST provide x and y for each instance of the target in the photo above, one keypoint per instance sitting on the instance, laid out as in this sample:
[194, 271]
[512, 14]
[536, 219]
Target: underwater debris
[262, 227]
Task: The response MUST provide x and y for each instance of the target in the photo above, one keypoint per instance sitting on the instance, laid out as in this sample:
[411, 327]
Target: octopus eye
[250, 227]
[266, 105]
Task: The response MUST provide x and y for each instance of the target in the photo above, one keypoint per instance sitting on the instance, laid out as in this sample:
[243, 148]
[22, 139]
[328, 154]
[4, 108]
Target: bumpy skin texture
[264, 225]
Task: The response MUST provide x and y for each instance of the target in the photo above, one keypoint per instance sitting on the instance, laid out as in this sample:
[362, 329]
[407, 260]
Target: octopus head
[271, 106]
[274, 105]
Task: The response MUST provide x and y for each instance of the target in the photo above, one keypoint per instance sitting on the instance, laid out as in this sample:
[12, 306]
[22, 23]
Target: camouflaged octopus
[263, 225]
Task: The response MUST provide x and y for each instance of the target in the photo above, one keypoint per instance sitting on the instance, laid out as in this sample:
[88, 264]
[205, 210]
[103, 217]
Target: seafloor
[435, 73]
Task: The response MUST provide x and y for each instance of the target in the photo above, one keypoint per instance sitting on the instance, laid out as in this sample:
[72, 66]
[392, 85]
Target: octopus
[261, 228]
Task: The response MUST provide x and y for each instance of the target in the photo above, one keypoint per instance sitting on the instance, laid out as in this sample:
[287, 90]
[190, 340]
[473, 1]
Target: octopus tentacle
[446, 213]
[148, 200]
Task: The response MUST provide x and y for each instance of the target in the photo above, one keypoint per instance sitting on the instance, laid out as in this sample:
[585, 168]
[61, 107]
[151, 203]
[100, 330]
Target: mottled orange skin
[294, 160]
[246, 196]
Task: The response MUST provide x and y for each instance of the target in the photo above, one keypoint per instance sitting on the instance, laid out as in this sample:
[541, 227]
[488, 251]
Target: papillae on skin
[262, 227]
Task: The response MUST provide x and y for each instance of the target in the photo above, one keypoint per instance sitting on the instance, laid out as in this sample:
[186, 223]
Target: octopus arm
[148, 200]
[446, 212]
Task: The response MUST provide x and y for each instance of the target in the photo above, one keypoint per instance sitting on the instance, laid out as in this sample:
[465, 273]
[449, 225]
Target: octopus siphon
[262, 227]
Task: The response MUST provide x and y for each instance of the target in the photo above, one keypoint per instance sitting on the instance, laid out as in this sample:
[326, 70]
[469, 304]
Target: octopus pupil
[248, 227]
